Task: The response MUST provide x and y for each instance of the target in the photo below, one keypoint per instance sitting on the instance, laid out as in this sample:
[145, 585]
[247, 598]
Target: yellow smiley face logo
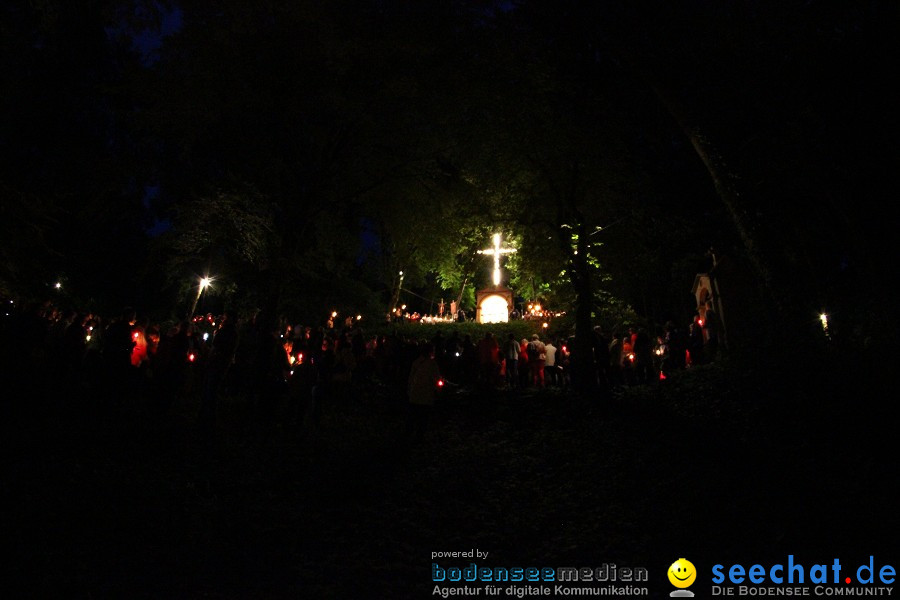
[682, 573]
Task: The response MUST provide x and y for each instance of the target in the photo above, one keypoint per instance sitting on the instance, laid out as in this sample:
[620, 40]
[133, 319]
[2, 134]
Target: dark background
[304, 152]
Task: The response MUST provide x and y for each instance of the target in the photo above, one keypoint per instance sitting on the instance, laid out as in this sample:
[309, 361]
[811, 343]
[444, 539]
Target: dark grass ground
[726, 463]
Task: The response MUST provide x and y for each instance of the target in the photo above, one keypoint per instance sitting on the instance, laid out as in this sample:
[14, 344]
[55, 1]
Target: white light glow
[494, 309]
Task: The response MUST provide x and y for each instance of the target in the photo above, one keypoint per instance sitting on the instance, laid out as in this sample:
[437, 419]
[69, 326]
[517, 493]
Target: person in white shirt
[550, 362]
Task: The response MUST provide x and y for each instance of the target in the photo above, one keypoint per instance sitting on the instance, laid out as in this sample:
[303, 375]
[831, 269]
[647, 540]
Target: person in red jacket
[536, 360]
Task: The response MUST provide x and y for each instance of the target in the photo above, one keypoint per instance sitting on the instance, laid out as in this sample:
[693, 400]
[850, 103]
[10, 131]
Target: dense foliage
[305, 153]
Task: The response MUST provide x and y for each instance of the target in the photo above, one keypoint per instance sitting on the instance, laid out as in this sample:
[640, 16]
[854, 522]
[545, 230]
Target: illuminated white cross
[496, 251]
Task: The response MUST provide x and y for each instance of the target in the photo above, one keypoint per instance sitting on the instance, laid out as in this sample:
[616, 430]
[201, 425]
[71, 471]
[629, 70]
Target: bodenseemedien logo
[476, 580]
[682, 574]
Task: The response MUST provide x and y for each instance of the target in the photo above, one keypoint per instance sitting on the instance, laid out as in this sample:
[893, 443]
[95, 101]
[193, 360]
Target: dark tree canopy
[307, 151]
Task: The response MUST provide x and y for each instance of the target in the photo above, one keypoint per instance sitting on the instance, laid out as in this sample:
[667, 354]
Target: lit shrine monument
[494, 303]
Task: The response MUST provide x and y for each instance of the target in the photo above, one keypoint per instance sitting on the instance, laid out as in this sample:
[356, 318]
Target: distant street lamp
[823, 318]
[204, 283]
[395, 296]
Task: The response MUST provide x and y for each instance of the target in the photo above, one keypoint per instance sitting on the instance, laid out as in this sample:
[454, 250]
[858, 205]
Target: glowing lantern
[545, 325]
[192, 357]
[333, 314]
[205, 336]
[440, 383]
[662, 376]
[631, 357]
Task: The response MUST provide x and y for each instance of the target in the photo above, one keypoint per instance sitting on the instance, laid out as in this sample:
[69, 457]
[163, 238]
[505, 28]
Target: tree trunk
[395, 297]
[584, 370]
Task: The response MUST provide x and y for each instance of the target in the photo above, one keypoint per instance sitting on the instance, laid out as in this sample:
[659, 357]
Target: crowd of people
[301, 368]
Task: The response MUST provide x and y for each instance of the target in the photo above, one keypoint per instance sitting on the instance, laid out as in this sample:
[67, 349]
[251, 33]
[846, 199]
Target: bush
[521, 329]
